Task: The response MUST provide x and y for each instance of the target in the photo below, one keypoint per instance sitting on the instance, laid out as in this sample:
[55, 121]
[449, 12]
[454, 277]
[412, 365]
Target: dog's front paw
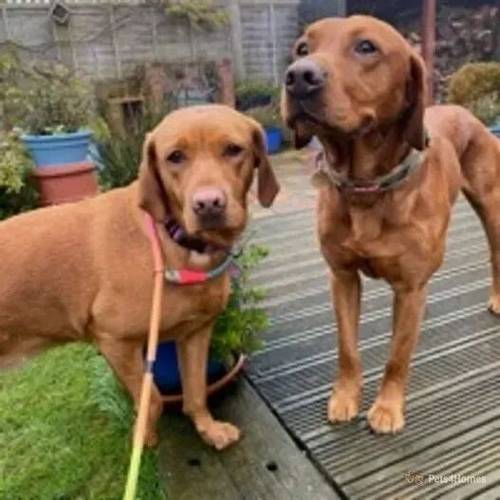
[494, 305]
[343, 406]
[151, 438]
[386, 417]
[220, 435]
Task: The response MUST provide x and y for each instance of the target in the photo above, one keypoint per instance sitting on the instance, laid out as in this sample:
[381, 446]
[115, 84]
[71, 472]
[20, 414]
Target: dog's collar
[399, 174]
[186, 276]
[178, 234]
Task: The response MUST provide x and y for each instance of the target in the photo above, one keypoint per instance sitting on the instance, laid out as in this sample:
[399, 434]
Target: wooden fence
[109, 39]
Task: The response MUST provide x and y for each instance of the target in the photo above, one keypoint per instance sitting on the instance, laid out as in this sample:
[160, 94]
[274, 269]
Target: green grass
[65, 431]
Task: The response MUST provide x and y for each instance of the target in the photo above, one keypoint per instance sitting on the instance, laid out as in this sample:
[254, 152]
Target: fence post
[5, 23]
[154, 33]
[225, 74]
[429, 44]
[341, 8]
[236, 38]
[72, 44]
[272, 22]
[116, 49]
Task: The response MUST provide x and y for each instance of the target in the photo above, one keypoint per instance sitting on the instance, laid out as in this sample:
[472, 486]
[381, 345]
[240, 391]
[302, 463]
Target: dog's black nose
[304, 78]
[209, 202]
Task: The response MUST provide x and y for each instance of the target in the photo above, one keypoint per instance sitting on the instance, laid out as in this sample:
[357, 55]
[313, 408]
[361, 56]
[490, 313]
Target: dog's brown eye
[176, 157]
[233, 150]
[302, 49]
[365, 47]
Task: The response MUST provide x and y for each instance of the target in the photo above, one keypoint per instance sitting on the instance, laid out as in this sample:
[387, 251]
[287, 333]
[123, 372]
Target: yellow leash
[147, 381]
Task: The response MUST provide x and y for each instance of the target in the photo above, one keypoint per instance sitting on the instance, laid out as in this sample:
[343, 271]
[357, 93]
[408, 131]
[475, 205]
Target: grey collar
[399, 174]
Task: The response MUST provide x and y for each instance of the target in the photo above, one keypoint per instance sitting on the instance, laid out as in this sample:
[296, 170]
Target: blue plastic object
[274, 139]
[58, 149]
[496, 130]
[166, 369]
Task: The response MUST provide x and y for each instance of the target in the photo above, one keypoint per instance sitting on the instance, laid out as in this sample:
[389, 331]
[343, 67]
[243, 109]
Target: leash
[147, 381]
[179, 277]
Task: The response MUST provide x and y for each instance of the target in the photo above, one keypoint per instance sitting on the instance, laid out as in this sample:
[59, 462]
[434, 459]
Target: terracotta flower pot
[66, 183]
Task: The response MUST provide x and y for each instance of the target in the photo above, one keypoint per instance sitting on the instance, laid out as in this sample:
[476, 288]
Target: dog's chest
[194, 305]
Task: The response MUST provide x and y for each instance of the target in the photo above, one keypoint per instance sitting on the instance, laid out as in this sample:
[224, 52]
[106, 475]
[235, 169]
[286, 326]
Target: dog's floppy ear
[152, 196]
[267, 184]
[415, 98]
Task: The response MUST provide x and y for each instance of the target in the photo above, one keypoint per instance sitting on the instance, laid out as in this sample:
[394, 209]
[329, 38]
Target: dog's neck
[367, 156]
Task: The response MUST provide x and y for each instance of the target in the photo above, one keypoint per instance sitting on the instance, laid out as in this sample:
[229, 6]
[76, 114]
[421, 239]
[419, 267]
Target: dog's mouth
[318, 124]
[301, 112]
[312, 117]
[221, 238]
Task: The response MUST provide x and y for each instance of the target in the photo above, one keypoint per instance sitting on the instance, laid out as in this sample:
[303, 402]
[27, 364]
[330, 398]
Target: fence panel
[109, 39]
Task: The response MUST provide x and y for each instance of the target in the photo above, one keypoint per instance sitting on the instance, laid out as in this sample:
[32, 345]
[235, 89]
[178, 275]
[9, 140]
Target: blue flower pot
[166, 369]
[58, 149]
[274, 139]
[495, 130]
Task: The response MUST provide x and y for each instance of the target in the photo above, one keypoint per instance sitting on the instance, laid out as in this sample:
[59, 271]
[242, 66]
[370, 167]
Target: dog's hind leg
[481, 187]
[16, 350]
[488, 210]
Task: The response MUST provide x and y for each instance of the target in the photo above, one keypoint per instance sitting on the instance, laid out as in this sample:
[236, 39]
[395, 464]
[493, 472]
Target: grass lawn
[65, 428]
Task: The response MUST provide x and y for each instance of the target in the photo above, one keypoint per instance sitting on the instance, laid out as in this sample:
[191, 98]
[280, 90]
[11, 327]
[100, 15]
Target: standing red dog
[387, 192]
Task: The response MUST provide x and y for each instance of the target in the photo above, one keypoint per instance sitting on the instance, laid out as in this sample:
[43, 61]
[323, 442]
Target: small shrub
[254, 93]
[237, 328]
[476, 86]
[200, 14]
[119, 156]
[268, 116]
[17, 192]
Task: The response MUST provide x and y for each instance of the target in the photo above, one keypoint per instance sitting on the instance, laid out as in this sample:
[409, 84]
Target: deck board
[193, 471]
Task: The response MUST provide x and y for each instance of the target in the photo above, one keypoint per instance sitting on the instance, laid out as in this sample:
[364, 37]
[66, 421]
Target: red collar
[182, 276]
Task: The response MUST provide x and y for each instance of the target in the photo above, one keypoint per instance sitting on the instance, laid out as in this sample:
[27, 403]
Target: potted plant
[269, 117]
[235, 334]
[53, 109]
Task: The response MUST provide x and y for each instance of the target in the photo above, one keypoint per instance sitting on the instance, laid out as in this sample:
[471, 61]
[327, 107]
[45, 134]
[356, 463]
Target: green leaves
[120, 155]
[237, 328]
[17, 194]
